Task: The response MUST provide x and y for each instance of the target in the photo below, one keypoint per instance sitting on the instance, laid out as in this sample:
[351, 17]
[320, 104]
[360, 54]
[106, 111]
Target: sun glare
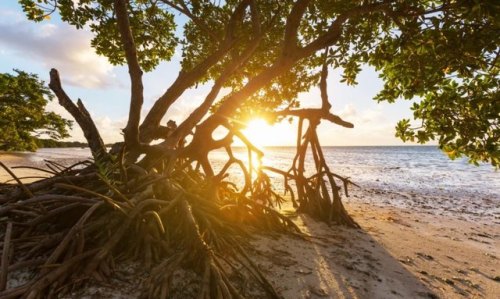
[258, 131]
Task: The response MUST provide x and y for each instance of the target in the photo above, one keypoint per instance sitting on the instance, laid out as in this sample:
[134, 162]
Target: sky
[104, 89]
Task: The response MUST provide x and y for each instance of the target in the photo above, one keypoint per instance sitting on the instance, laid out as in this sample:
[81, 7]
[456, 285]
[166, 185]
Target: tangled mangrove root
[315, 197]
[78, 224]
[160, 211]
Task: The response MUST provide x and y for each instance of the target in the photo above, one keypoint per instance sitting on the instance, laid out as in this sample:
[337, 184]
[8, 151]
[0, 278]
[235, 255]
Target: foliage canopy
[23, 98]
[442, 54]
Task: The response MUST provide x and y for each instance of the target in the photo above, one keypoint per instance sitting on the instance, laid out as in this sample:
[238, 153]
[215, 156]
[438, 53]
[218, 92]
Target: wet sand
[14, 160]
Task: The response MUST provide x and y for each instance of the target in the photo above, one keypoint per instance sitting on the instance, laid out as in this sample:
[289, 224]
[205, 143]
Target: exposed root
[67, 233]
[161, 212]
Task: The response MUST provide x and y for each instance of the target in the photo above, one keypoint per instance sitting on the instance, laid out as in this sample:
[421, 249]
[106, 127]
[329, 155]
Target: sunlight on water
[423, 169]
[410, 168]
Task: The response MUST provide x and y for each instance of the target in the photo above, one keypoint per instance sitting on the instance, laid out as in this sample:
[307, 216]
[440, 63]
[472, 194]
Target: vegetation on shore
[51, 143]
[23, 118]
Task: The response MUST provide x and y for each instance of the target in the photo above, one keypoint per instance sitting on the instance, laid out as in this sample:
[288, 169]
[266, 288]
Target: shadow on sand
[341, 263]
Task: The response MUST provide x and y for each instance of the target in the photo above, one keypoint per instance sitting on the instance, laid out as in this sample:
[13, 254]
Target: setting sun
[259, 132]
[263, 134]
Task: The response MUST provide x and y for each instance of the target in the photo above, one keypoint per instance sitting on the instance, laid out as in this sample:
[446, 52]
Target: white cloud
[371, 127]
[108, 128]
[348, 111]
[57, 46]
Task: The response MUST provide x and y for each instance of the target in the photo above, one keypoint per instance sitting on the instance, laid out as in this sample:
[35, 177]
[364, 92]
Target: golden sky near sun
[261, 134]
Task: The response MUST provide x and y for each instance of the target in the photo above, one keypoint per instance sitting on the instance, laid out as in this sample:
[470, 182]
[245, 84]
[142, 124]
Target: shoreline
[16, 159]
[409, 246]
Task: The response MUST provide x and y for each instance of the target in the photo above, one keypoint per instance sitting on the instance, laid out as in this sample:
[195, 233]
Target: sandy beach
[409, 246]
[27, 175]
[397, 253]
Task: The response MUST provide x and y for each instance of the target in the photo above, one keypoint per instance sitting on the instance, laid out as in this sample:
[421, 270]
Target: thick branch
[325, 104]
[290, 57]
[135, 72]
[335, 30]
[259, 81]
[281, 65]
[80, 114]
[186, 79]
[255, 15]
[292, 26]
[315, 114]
[236, 17]
[202, 110]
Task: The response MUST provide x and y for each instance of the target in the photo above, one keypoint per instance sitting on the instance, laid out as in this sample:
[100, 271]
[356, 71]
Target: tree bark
[136, 95]
[81, 115]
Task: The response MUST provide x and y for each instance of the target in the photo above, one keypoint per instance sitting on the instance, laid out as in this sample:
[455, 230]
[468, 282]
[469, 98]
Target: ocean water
[413, 169]
[419, 169]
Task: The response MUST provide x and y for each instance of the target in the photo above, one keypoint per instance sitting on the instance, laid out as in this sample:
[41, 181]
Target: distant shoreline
[347, 146]
[50, 143]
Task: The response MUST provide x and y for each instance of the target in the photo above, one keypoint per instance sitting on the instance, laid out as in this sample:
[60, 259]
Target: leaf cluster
[153, 28]
[23, 98]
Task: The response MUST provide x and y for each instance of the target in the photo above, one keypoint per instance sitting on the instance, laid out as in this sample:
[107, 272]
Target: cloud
[348, 111]
[108, 128]
[57, 46]
[371, 127]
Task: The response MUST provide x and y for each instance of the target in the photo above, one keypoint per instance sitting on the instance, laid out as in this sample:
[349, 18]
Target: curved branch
[316, 114]
[232, 160]
[187, 79]
[290, 44]
[182, 8]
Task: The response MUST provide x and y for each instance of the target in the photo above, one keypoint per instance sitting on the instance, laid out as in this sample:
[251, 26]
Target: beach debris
[303, 272]
[449, 281]
[407, 260]
[425, 256]
[318, 291]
